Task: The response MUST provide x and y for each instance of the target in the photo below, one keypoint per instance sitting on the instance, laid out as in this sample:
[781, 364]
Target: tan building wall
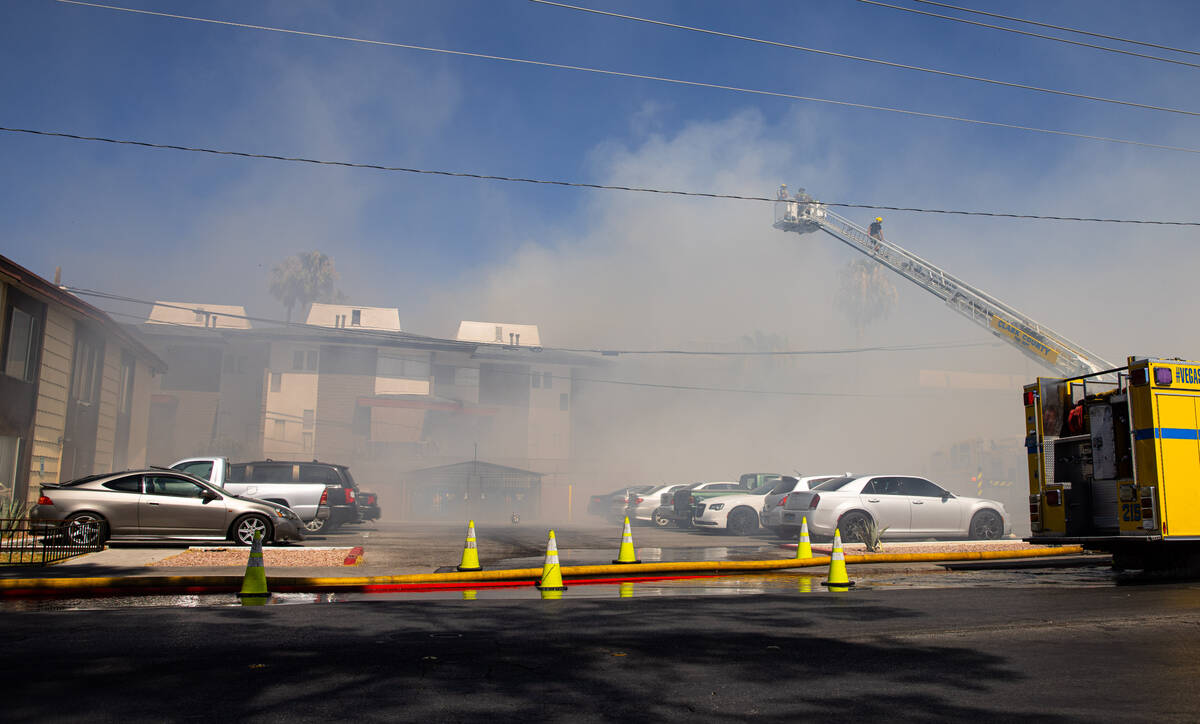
[139, 423]
[285, 433]
[50, 422]
[106, 427]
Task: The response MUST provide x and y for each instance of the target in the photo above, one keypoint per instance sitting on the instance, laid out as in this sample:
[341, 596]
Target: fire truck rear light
[1162, 376]
[1139, 376]
[1029, 397]
[815, 500]
[1053, 497]
[43, 500]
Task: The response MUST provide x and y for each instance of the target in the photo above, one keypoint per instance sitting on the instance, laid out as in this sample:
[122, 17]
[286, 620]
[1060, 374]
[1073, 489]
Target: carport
[473, 490]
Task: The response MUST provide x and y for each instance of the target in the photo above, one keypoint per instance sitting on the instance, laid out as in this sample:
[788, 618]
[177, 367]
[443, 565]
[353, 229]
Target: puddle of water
[735, 585]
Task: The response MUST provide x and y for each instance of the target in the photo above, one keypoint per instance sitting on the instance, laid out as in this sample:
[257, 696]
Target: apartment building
[349, 385]
[74, 389]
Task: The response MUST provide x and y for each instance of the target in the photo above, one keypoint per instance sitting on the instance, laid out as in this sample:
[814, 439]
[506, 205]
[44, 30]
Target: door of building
[83, 405]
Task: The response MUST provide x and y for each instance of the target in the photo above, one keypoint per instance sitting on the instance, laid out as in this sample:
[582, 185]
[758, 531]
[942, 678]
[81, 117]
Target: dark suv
[341, 492]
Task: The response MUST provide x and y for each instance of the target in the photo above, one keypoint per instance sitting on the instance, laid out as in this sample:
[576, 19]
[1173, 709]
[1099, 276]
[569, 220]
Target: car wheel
[661, 521]
[742, 521]
[86, 529]
[245, 528]
[987, 525]
[316, 525]
[854, 527]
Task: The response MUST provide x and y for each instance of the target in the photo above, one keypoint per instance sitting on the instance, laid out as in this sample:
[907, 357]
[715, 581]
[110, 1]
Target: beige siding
[50, 422]
[106, 426]
[139, 422]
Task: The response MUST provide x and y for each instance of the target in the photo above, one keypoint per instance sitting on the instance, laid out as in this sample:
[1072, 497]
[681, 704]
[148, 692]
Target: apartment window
[308, 441]
[406, 368]
[298, 360]
[547, 380]
[309, 417]
[499, 333]
[276, 381]
[310, 360]
[280, 430]
[356, 317]
[562, 402]
[443, 375]
[537, 379]
[21, 346]
[10, 453]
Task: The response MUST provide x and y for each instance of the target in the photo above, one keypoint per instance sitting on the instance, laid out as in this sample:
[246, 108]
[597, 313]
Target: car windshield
[766, 489]
[834, 484]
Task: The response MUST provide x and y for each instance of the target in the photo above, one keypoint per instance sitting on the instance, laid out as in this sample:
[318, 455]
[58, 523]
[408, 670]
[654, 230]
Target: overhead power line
[1022, 32]
[642, 76]
[409, 337]
[1059, 27]
[862, 59]
[578, 184]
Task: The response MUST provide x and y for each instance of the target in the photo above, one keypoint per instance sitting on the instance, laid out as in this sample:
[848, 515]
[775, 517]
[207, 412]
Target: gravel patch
[272, 558]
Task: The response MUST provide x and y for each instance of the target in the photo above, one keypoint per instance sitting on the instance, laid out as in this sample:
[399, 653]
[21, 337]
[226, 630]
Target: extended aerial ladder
[802, 214]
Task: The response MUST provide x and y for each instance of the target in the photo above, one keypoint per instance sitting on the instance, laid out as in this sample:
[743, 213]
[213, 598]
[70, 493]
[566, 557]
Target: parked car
[900, 505]
[306, 487]
[648, 503]
[736, 513]
[683, 501]
[368, 505]
[771, 515]
[607, 505]
[160, 503]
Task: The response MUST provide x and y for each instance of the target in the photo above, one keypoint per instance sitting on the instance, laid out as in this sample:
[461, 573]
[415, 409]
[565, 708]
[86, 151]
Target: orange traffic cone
[838, 580]
[551, 573]
[626, 554]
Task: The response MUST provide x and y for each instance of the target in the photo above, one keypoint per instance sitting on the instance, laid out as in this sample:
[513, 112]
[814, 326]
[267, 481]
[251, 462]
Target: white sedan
[643, 505]
[902, 506]
[736, 513]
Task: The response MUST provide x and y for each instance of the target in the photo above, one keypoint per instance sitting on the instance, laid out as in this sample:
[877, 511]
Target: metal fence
[37, 543]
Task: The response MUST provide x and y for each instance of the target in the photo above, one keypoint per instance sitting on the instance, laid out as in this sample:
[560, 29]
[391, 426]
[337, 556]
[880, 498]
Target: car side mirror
[210, 496]
[946, 495]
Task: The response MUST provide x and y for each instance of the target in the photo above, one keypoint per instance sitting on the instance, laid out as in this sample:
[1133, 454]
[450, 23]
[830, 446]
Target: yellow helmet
[879, 219]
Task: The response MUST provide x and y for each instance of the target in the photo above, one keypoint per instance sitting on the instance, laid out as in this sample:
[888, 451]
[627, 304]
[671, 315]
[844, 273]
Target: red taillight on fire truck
[1053, 497]
[1029, 397]
[815, 499]
[43, 500]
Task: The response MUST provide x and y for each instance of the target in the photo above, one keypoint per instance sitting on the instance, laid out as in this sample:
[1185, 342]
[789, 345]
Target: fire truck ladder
[803, 215]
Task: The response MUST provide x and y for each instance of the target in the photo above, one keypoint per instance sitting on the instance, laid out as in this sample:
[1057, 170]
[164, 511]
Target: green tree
[305, 278]
[867, 293]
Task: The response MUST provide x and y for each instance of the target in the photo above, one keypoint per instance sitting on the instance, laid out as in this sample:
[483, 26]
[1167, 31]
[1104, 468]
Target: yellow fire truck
[1114, 461]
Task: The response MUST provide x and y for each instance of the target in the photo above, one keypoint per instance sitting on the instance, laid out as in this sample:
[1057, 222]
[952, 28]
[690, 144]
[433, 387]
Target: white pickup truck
[308, 499]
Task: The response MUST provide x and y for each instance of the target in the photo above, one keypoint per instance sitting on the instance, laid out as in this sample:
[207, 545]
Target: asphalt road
[1037, 653]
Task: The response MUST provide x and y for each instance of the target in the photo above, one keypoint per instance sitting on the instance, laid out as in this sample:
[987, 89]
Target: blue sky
[167, 224]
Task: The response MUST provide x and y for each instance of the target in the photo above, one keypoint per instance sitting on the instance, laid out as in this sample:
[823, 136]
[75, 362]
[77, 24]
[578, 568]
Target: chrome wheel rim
[247, 528]
[83, 530]
[316, 525]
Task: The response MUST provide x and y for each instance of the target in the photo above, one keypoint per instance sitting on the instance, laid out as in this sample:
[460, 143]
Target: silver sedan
[143, 504]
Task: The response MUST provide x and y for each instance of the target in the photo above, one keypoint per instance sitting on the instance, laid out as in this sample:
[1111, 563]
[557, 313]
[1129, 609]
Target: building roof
[45, 290]
[484, 469]
[524, 335]
[342, 315]
[196, 314]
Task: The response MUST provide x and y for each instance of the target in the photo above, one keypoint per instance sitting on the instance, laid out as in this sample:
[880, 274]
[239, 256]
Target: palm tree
[304, 278]
[867, 293]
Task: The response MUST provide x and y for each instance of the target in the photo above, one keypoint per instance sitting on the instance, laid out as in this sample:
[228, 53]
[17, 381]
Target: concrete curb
[132, 585]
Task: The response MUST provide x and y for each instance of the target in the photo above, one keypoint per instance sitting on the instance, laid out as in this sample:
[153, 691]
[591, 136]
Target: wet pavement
[1095, 574]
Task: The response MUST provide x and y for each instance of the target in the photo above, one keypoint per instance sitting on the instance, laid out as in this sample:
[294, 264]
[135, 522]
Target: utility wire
[1059, 27]
[577, 184]
[862, 59]
[641, 76]
[408, 337]
[1020, 32]
[603, 381]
